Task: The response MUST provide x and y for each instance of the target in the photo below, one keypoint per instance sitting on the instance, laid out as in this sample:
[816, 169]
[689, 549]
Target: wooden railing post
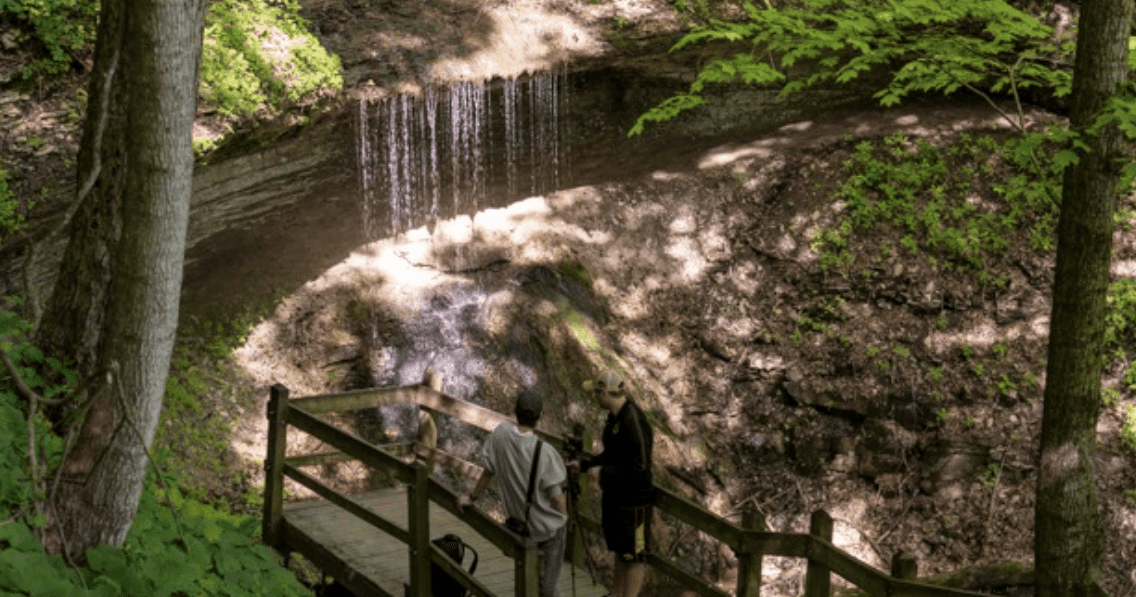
[274, 465]
[418, 527]
[818, 578]
[428, 422]
[526, 572]
[749, 563]
[904, 566]
[432, 379]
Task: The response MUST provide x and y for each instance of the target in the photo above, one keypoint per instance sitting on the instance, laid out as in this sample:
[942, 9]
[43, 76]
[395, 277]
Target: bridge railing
[301, 414]
[749, 540]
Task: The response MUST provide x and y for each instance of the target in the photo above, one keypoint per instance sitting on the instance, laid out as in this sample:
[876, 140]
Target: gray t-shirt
[508, 453]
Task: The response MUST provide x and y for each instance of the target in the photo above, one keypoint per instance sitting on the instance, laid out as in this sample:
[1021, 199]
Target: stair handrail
[750, 541]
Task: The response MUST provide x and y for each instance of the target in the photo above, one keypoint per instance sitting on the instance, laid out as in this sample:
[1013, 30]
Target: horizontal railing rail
[749, 540]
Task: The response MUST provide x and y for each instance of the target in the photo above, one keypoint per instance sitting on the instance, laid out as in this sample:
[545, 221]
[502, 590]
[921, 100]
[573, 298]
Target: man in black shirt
[626, 481]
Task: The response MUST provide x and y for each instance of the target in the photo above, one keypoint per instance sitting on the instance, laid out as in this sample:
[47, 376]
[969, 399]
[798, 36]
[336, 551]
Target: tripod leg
[578, 533]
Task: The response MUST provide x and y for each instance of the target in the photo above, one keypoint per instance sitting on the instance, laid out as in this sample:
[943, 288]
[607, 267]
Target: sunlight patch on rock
[510, 42]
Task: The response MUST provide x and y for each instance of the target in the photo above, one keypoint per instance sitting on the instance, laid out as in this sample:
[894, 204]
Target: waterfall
[504, 141]
[435, 159]
[509, 101]
[365, 157]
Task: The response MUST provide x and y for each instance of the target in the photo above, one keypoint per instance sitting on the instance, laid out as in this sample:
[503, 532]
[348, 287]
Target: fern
[929, 46]
[668, 110]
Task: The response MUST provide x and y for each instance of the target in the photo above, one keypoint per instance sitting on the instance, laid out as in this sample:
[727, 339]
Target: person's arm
[588, 462]
[560, 502]
[482, 482]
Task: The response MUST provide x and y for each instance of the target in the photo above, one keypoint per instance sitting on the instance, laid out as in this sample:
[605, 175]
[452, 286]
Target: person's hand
[464, 502]
[573, 466]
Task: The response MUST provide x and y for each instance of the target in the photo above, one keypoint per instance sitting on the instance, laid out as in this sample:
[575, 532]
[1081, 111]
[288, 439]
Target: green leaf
[666, 111]
[36, 573]
[1063, 159]
[18, 537]
[112, 563]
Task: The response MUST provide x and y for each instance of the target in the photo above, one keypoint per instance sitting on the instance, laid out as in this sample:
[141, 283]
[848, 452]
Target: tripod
[578, 532]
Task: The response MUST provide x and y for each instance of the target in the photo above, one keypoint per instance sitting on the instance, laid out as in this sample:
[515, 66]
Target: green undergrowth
[204, 400]
[259, 57]
[1120, 331]
[260, 54]
[954, 206]
[198, 551]
[176, 545]
[20, 481]
[961, 207]
[1120, 356]
[60, 30]
[10, 217]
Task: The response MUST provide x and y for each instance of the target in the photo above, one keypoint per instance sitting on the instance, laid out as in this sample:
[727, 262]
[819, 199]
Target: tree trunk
[74, 320]
[116, 303]
[1069, 542]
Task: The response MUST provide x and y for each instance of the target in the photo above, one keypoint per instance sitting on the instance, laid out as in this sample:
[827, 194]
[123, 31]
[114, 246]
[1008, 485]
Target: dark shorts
[625, 531]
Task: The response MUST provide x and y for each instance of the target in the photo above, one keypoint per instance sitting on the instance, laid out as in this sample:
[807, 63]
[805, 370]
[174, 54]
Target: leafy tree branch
[986, 47]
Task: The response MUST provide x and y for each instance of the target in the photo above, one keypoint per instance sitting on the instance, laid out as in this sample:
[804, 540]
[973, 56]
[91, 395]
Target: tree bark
[74, 319]
[116, 304]
[1069, 542]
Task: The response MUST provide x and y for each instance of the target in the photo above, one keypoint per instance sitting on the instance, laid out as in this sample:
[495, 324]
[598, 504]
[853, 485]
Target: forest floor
[706, 272]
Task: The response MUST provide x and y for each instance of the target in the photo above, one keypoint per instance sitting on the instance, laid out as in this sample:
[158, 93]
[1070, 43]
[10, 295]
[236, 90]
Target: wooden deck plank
[385, 561]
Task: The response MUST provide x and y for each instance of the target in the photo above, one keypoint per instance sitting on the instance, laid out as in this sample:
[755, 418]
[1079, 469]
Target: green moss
[578, 325]
[576, 271]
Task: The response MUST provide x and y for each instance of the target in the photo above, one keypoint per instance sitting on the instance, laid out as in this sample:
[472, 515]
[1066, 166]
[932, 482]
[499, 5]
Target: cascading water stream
[364, 154]
[405, 175]
[509, 101]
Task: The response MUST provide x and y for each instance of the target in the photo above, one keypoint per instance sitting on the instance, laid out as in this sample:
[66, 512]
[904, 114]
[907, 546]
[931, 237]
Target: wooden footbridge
[377, 544]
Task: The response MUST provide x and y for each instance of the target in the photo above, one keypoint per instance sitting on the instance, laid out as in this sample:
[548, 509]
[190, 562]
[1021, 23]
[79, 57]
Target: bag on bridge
[441, 583]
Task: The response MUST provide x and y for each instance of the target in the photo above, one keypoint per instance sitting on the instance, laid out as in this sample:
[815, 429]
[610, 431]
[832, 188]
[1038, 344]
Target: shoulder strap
[473, 565]
[532, 479]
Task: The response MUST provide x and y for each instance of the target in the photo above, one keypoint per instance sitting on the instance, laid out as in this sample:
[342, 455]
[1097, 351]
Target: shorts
[625, 531]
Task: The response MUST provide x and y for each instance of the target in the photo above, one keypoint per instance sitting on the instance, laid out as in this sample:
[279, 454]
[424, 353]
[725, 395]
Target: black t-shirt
[625, 473]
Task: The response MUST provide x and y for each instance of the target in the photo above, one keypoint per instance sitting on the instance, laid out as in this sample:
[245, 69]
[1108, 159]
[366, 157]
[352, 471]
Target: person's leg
[632, 568]
[553, 551]
[619, 577]
[633, 575]
[636, 568]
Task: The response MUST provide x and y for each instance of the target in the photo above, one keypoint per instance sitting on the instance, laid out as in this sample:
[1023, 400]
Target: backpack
[441, 583]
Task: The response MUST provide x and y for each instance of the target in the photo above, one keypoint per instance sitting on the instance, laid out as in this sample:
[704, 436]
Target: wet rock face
[511, 329]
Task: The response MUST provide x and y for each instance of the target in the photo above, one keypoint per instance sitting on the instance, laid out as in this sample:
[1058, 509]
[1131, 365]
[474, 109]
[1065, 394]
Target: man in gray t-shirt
[507, 456]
